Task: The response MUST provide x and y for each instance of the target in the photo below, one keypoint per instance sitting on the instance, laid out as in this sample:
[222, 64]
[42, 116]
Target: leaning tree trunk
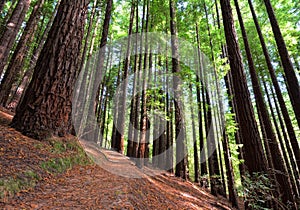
[19, 93]
[16, 63]
[283, 107]
[254, 157]
[11, 30]
[47, 105]
[293, 84]
[276, 157]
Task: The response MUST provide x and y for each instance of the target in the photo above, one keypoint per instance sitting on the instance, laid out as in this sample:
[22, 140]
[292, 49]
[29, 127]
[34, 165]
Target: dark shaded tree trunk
[271, 145]
[203, 168]
[144, 115]
[292, 81]
[11, 30]
[137, 64]
[132, 113]
[46, 108]
[195, 146]
[254, 157]
[181, 162]
[169, 110]
[19, 93]
[282, 145]
[283, 107]
[16, 63]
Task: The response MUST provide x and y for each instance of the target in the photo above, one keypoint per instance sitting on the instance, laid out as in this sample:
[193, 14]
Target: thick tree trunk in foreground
[47, 105]
[254, 157]
[11, 30]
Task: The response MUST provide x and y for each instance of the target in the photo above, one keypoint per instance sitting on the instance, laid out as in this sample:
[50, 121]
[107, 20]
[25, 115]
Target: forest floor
[57, 174]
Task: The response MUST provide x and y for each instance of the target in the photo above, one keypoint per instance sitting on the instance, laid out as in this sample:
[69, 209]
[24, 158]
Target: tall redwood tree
[46, 107]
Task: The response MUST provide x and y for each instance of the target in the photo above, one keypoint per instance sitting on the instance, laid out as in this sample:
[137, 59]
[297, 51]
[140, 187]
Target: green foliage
[257, 190]
[10, 186]
[62, 164]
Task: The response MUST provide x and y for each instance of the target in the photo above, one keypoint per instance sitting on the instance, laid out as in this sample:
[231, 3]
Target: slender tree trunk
[115, 117]
[88, 35]
[46, 108]
[132, 113]
[120, 137]
[293, 83]
[271, 144]
[19, 93]
[169, 109]
[18, 58]
[200, 121]
[10, 33]
[229, 171]
[287, 164]
[283, 107]
[254, 157]
[144, 117]
[181, 166]
[137, 64]
[195, 147]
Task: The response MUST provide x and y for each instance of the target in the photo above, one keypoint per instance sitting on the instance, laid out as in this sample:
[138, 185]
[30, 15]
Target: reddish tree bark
[46, 107]
[11, 30]
[254, 156]
[18, 58]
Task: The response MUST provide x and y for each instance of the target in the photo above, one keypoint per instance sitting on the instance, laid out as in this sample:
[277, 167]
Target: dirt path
[92, 187]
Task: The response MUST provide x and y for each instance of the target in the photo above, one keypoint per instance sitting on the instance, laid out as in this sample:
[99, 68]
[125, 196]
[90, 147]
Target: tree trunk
[271, 144]
[10, 33]
[254, 157]
[203, 167]
[16, 63]
[144, 115]
[132, 113]
[283, 107]
[293, 84]
[19, 93]
[195, 147]
[282, 145]
[120, 135]
[47, 105]
[181, 166]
